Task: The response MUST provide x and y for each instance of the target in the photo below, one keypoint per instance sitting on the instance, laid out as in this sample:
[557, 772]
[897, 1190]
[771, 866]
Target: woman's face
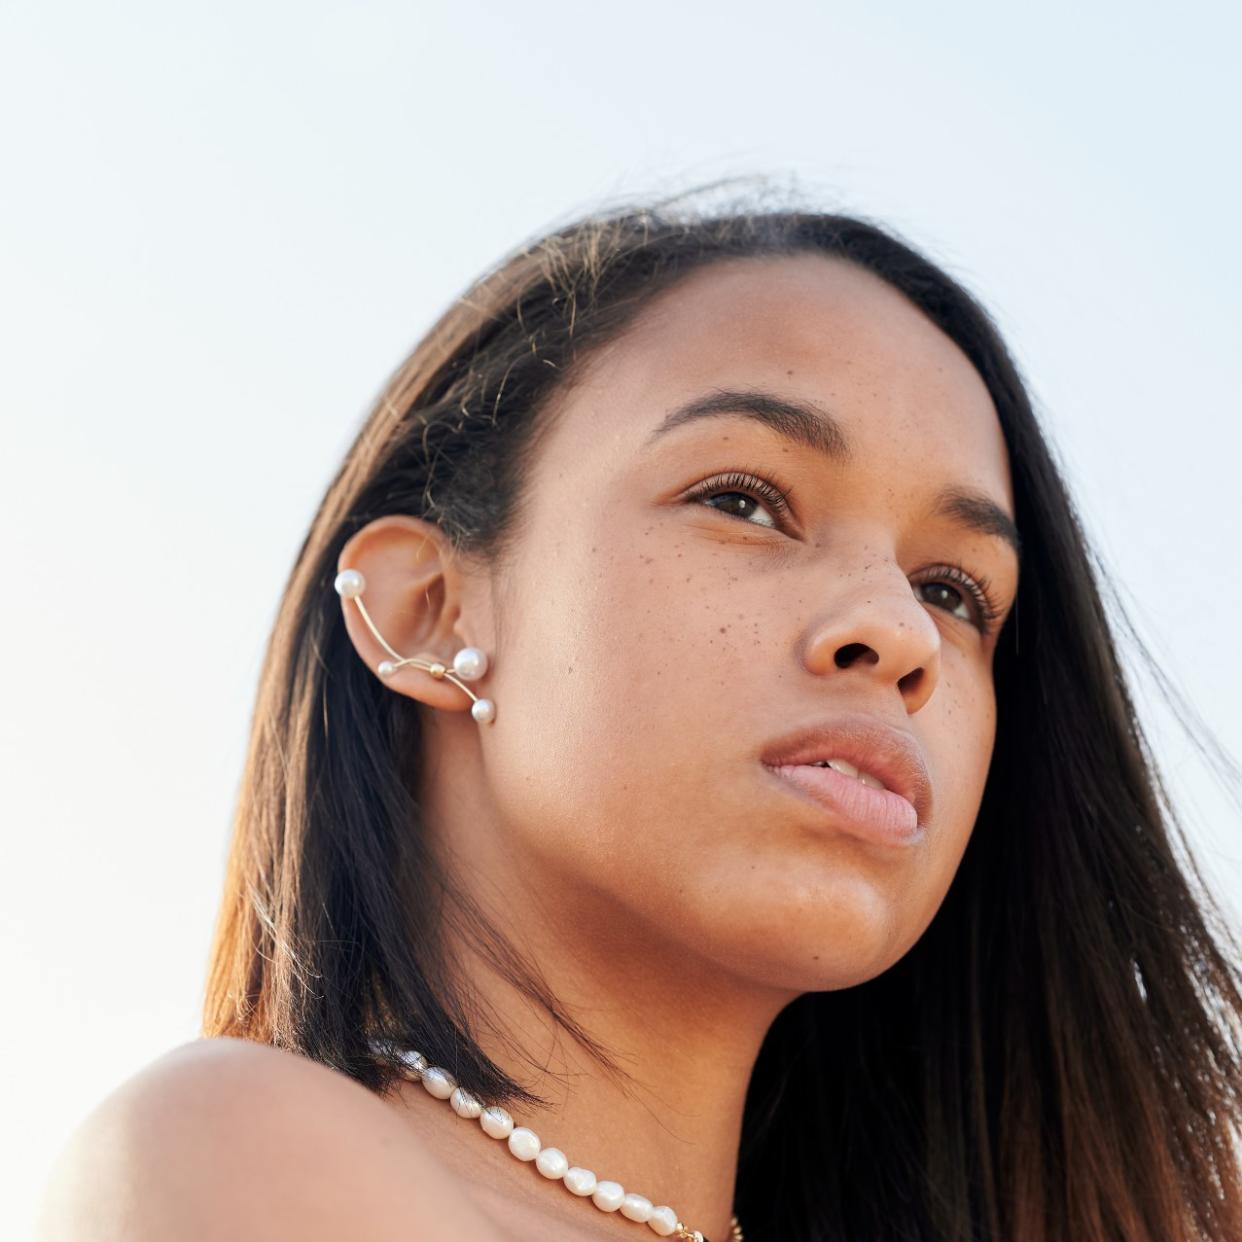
[649, 646]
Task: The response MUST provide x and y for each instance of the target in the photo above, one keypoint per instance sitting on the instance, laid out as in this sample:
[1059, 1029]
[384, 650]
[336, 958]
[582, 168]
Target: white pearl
[496, 1122]
[349, 582]
[470, 663]
[483, 710]
[552, 1162]
[663, 1220]
[439, 1082]
[465, 1105]
[524, 1143]
[608, 1196]
[580, 1181]
[415, 1063]
[386, 668]
[636, 1207]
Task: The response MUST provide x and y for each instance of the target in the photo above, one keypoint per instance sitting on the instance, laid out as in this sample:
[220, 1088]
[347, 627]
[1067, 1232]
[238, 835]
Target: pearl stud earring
[469, 664]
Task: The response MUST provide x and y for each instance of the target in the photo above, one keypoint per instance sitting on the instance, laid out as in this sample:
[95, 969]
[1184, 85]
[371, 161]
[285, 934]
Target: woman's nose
[877, 630]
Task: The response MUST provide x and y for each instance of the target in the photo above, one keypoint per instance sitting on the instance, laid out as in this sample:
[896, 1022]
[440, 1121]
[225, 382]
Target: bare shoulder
[227, 1138]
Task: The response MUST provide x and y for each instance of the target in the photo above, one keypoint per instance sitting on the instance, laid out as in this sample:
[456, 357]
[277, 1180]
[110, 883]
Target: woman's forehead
[806, 328]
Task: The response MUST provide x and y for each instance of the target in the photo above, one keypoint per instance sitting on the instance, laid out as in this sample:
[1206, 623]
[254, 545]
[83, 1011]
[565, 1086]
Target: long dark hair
[1057, 1057]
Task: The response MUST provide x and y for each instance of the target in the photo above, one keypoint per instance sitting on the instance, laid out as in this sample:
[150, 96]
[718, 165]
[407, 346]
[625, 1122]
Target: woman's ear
[413, 594]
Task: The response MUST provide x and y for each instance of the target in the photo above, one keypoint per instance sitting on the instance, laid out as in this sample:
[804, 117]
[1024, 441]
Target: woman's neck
[684, 1038]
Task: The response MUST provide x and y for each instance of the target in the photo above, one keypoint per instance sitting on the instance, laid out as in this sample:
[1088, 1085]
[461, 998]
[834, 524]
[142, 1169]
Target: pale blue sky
[222, 225]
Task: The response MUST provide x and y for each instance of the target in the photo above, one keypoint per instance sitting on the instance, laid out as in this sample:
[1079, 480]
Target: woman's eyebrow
[812, 426]
[802, 421]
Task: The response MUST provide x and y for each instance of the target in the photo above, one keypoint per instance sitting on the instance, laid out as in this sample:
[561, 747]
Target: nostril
[913, 679]
[851, 651]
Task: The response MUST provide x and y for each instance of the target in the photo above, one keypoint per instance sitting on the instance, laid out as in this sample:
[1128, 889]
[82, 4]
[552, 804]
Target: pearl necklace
[550, 1161]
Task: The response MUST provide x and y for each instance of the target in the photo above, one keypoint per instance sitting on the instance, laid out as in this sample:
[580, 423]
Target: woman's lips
[876, 814]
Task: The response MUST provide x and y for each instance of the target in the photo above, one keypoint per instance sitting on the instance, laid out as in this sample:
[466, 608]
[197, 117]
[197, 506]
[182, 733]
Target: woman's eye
[740, 504]
[744, 496]
[955, 597]
[957, 589]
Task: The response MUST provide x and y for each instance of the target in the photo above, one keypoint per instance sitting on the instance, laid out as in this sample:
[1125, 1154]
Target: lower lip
[876, 814]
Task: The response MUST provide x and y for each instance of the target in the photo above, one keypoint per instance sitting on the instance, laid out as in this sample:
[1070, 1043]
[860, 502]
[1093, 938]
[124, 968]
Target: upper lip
[891, 755]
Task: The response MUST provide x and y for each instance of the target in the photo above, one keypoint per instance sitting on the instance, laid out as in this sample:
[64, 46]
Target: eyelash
[778, 497]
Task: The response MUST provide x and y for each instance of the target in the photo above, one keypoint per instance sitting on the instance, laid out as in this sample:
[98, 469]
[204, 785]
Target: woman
[713, 772]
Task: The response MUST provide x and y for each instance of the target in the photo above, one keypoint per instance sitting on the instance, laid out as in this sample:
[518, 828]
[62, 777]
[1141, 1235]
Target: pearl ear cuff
[469, 664]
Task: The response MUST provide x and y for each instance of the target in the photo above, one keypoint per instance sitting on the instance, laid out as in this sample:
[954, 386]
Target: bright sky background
[222, 225]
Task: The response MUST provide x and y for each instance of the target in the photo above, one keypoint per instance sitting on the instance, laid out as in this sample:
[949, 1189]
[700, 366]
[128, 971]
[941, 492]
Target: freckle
[724, 629]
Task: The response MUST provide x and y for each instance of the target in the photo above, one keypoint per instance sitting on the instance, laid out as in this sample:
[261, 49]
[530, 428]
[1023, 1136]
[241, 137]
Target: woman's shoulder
[229, 1138]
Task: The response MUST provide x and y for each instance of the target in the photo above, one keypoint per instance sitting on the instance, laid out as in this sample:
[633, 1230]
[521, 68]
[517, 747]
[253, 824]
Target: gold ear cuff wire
[469, 664]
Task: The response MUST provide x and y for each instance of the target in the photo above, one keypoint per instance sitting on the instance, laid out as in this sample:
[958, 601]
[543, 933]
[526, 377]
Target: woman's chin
[837, 941]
